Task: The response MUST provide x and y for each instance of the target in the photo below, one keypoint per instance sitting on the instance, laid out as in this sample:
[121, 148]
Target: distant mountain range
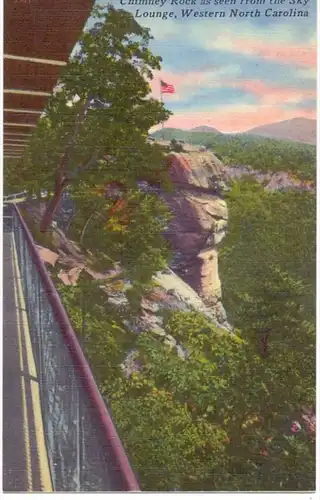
[204, 128]
[302, 130]
[297, 130]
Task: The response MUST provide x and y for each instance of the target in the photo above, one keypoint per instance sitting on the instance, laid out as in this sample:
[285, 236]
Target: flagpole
[161, 99]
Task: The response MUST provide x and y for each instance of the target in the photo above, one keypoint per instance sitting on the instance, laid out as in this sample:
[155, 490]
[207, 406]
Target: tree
[11, 176]
[96, 124]
[169, 413]
[220, 420]
[267, 269]
[266, 229]
[132, 237]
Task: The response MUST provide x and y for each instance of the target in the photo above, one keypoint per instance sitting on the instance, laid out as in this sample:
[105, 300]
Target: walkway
[25, 461]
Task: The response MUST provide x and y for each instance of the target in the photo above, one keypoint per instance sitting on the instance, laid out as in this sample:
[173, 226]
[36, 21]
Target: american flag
[166, 88]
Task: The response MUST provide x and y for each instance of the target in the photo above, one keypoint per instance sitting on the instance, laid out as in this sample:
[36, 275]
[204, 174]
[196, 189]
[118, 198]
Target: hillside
[160, 358]
[193, 137]
[301, 130]
[297, 130]
[261, 153]
[205, 128]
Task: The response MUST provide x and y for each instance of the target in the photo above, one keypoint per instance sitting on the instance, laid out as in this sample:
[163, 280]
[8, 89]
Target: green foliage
[102, 333]
[267, 266]
[206, 423]
[12, 181]
[266, 229]
[260, 153]
[112, 65]
[137, 243]
[172, 443]
[168, 134]
[220, 419]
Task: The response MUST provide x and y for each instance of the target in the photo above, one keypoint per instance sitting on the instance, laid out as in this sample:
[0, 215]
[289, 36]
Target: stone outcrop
[200, 216]
[272, 181]
[171, 294]
[198, 226]
[199, 223]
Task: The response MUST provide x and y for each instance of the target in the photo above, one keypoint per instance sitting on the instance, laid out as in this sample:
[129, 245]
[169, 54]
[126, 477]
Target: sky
[233, 73]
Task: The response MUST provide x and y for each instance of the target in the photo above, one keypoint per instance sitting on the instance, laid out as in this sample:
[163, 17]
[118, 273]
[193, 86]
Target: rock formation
[198, 226]
[199, 223]
[200, 216]
[272, 181]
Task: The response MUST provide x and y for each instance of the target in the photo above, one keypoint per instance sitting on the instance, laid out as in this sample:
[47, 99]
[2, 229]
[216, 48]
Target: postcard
[159, 246]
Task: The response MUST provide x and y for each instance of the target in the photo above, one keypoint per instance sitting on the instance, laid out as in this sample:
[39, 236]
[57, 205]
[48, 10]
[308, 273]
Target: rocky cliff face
[199, 223]
[273, 181]
[200, 216]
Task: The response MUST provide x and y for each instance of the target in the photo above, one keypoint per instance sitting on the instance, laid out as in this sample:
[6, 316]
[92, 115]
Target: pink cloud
[301, 56]
[189, 82]
[237, 120]
[271, 94]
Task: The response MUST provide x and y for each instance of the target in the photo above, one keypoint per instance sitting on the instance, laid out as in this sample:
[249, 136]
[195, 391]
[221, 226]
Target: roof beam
[10, 124]
[27, 111]
[17, 133]
[15, 138]
[27, 92]
[15, 144]
[53, 62]
[10, 139]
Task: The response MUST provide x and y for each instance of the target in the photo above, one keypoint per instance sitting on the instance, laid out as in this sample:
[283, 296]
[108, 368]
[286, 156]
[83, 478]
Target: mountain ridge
[205, 128]
[299, 130]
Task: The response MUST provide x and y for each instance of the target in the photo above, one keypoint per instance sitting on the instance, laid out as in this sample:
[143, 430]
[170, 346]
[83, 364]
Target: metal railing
[84, 450]
[11, 197]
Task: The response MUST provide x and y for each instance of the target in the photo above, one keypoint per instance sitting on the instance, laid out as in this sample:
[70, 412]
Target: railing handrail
[81, 363]
[14, 195]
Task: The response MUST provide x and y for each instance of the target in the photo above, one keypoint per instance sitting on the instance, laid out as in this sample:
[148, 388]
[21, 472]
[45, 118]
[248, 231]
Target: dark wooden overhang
[38, 39]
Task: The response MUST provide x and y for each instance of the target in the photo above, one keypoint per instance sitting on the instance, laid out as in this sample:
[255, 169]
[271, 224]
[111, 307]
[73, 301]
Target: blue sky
[234, 74]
